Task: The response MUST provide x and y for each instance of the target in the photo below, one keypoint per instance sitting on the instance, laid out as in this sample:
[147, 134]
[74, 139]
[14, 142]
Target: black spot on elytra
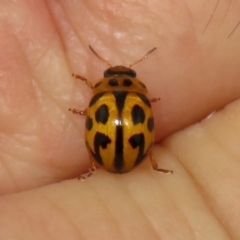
[97, 84]
[144, 99]
[142, 84]
[138, 115]
[95, 98]
[102, 114]
[150, 124]
[138, 140]
[100, 140]
[127, 82]
[88, 123]
[113, 82]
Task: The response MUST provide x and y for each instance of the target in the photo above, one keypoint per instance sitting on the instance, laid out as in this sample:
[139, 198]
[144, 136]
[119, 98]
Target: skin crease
[195, 71]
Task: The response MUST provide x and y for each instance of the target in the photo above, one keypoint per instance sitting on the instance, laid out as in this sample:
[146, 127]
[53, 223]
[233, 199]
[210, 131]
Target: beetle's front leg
[83, 79]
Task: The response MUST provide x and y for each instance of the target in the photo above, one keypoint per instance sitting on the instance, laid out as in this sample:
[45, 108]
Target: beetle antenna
[99, 56]
[141, 59]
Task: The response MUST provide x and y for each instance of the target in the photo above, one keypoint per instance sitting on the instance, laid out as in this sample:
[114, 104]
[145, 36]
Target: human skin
[195, 71]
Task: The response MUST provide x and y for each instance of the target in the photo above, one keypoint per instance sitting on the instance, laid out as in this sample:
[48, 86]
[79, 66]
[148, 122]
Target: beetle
[119, 127]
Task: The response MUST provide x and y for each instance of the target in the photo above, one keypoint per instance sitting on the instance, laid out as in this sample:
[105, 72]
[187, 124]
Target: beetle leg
[75, 111]
[155, 99]
[90, 172]
[155, 165]
[83, 79]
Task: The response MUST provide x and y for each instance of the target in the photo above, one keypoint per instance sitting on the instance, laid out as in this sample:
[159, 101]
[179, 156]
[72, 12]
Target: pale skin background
[195, 71]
